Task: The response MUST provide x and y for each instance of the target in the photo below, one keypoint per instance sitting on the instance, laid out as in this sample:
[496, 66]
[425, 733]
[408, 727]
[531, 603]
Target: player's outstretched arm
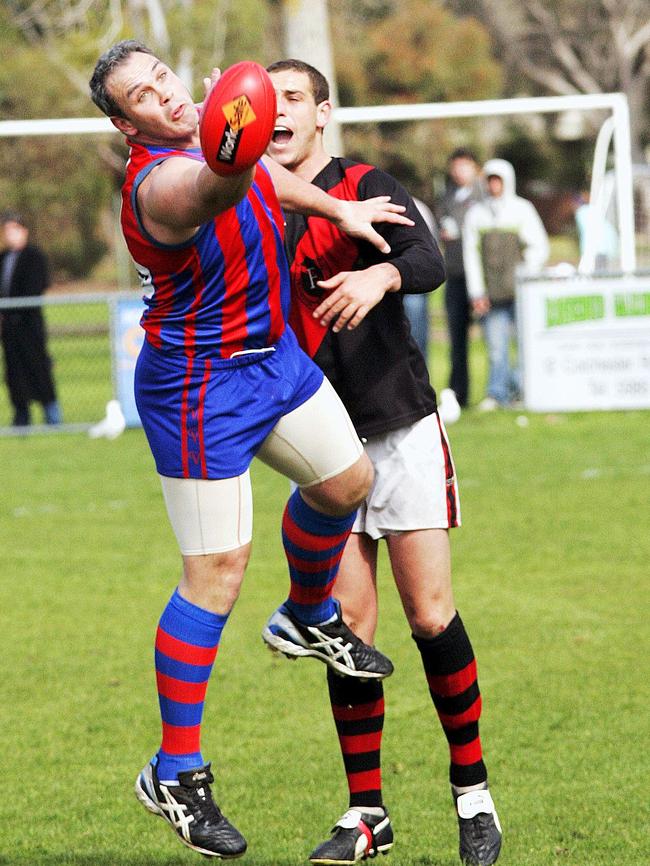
[353, 217]
[182, 194]
[356, 218]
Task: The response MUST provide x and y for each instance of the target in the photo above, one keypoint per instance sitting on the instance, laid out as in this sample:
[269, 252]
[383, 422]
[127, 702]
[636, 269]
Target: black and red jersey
[377, 369]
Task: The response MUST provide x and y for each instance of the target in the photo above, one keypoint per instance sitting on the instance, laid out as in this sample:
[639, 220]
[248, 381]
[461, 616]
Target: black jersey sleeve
[414, 251]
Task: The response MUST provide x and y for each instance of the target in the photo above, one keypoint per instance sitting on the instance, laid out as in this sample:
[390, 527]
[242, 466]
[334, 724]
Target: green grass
[551, 576]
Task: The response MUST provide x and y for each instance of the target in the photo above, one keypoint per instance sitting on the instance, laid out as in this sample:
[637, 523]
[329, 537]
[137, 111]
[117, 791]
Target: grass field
[551, 577]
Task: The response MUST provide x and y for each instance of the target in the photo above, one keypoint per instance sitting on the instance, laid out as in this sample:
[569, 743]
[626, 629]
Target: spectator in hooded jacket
[503, 239]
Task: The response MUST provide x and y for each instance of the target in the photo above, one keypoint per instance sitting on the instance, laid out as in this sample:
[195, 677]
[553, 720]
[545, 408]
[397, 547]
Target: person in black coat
[24, 272]
[464, 188]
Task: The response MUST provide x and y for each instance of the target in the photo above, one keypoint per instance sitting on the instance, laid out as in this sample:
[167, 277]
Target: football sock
[358, 710]
[313, 544]
[187, 641]
[458, 791]
[450, 668]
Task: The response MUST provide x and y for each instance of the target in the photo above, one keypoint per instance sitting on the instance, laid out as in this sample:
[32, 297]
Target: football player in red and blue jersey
[348, 314]
[221, 379]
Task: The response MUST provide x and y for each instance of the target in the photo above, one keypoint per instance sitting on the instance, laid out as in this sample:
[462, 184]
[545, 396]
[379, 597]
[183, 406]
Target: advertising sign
[584, 343]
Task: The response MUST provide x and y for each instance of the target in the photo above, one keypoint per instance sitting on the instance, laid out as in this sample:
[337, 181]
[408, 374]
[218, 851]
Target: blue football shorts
[208, 417]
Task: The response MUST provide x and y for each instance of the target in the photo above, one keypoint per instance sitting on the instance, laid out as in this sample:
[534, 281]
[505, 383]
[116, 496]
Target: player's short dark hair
[319, 84]
[463, 153]
[109, 61]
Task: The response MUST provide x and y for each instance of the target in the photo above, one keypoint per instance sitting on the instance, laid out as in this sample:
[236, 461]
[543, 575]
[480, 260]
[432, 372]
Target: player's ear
[124, 125]
[323, 113]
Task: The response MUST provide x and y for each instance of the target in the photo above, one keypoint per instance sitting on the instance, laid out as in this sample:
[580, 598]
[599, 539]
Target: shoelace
[340, 631]
[201, 797]
[480, 828]
[334, 645]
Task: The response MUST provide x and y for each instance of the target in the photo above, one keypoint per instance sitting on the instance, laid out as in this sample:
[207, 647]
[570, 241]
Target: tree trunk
[307, 38]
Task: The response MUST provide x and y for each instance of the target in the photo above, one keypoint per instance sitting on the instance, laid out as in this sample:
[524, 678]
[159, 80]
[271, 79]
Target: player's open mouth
[281, 135]
[178, 112]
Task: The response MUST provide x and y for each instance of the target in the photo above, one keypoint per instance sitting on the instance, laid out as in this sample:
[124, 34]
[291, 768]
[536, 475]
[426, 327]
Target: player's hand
[355, 218]
[353, 294]
[481, 306]
[209, 82]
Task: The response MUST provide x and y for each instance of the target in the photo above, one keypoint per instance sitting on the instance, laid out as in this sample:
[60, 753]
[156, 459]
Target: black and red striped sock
[450, 668]
[358, 710]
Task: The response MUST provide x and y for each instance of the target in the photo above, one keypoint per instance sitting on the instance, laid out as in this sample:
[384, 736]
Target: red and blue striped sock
[450, 668]
[313, 543]
[187, 641]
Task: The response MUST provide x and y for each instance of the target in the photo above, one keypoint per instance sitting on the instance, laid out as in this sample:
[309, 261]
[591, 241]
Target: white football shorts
[312, 443]
[415, 483]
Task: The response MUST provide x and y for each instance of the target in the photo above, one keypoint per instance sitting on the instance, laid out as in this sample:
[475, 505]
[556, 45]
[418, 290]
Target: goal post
[616, 130]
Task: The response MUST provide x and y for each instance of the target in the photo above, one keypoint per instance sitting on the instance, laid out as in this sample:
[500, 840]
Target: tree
[193, 36]
[59, 182]
[574, 46]
[53, 181]
[410, 51]
[384, 51]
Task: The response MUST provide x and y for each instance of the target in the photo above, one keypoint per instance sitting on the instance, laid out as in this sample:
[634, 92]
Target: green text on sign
[579, 308]
[632, 304]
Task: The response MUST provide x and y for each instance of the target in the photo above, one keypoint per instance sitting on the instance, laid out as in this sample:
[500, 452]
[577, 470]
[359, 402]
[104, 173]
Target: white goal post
[616, 128]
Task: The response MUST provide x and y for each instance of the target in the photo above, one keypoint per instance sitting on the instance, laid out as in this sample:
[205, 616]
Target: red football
[237, 118]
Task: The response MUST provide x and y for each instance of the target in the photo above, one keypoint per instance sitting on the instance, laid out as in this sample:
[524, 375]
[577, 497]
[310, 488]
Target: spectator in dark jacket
[24, 272]
[463, 190]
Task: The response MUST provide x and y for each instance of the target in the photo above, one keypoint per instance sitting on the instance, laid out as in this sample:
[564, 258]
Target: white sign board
[584, 343]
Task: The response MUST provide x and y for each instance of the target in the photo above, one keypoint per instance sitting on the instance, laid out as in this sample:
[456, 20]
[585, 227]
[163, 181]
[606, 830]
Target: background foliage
[384, 50]
[410, 52]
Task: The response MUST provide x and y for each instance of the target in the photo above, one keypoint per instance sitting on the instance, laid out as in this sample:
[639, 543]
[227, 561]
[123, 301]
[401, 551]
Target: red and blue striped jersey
[225, 290]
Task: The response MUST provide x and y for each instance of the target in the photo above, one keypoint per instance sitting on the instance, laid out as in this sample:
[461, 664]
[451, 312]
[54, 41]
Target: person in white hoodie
[503, 238]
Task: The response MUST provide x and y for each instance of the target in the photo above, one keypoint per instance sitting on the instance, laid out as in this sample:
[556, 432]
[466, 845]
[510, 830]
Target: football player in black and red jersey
[348, 315]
